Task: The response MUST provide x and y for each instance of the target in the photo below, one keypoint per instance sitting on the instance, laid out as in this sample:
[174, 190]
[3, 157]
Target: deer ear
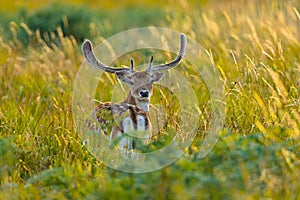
[156, 76]
[125, 77]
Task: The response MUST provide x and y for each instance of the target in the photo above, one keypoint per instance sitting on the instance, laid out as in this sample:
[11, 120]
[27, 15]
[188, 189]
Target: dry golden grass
[255, 45]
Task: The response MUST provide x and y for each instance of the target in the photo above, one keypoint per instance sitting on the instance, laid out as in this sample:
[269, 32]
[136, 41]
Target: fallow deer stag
[131, 114]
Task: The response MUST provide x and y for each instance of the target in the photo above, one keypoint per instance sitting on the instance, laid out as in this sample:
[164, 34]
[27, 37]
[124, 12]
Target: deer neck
[142, 104]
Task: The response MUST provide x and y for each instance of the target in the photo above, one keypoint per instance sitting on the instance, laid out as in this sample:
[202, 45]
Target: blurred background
[84, 19]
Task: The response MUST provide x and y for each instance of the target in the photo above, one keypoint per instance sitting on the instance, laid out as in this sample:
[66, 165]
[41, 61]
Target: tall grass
[256, 48]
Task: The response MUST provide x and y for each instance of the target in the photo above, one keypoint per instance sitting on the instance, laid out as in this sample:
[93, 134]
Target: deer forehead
[141, 78]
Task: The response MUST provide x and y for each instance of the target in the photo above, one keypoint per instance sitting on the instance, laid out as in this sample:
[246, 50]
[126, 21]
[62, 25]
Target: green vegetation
[255, 45]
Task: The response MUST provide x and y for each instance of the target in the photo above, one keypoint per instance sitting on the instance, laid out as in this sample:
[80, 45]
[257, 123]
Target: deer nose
[144, 93]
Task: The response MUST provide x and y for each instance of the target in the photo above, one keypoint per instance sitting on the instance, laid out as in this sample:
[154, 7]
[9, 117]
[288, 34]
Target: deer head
[140, 82]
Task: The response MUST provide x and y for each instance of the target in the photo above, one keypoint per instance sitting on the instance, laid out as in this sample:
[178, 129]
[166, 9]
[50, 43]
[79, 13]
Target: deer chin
[140, 98]
[143, 99]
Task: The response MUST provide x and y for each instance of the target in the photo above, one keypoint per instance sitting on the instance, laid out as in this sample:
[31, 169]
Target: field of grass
[256, 47]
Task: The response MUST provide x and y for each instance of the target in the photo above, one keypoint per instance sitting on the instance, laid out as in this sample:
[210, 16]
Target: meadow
[254, 44]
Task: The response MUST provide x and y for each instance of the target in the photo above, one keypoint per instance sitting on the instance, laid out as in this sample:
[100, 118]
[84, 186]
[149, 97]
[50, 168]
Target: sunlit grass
[256, 48]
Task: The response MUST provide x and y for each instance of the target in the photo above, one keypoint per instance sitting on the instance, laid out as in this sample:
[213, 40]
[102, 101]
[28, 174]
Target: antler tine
[90, 58]
[177, 60]
[131, 65]
[150, 64]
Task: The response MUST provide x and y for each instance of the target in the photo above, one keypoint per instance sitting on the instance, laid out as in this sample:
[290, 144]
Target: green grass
[255, 45]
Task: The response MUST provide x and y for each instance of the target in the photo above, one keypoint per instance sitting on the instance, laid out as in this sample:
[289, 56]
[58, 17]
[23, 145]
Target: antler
[150, 64]
[173, 63]
[90, 57]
